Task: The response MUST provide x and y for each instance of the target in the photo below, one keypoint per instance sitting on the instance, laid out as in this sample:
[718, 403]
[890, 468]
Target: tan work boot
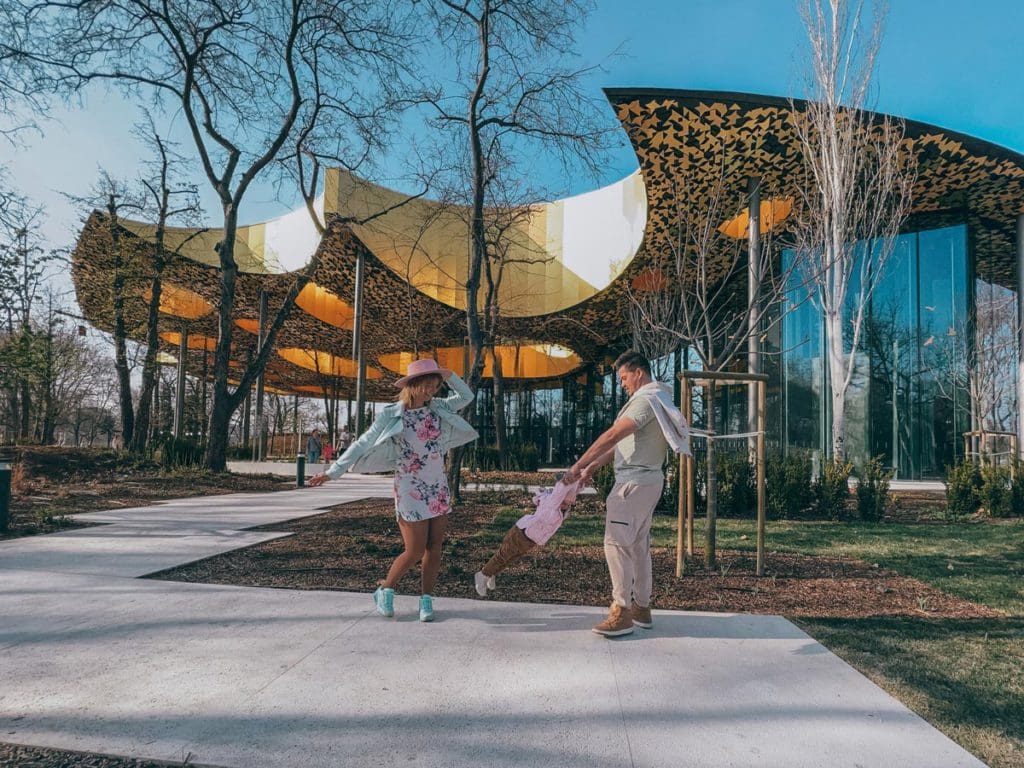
[619, 622]
[641, 616]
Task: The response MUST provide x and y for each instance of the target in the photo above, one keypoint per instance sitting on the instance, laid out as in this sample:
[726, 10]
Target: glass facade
[908, 399]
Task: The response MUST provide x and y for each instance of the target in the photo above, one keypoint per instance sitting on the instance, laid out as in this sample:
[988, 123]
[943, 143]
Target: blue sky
[958, 65]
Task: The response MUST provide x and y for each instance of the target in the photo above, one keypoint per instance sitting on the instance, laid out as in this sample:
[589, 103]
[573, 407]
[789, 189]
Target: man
[637, 441]
[313, 447]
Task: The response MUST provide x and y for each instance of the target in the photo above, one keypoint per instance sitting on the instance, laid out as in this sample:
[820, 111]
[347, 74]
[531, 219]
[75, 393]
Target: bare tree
[858, 183]
[117, 198]
[695, 293]
[240, 73]
[167, 200]
[26, 267]
[515, 96]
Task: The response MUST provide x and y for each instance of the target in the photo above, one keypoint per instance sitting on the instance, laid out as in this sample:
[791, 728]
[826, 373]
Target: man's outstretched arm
[623, 427]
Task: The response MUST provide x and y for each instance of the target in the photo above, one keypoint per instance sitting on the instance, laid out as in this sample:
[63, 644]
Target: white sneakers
[483, 583]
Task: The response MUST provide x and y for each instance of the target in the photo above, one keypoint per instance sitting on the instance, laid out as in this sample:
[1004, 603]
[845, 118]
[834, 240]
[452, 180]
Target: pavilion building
[940, 351]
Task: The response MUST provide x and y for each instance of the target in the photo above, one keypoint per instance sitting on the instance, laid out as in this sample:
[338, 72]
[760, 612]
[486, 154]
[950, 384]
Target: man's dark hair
[632, 360]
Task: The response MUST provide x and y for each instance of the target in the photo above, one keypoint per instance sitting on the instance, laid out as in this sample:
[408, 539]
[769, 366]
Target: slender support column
[1020, 333]
[179, 393]
[246, 416]
[753, 304]
[261, 421]
[298, 428]
[762, 498]
[357, 343]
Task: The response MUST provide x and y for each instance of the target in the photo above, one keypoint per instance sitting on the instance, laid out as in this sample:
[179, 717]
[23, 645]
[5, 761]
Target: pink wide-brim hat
[422, 367]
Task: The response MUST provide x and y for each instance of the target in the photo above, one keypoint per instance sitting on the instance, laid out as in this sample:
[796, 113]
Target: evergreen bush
[789, 493]
[832, 489]
[995, 493]
[873, 490]
[604, 481]
[963, 484]
[180, 452]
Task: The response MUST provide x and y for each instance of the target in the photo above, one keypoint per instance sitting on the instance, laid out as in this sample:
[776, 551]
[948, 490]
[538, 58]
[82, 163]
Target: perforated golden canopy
[325, 362]
[180, 302]
[523, 361]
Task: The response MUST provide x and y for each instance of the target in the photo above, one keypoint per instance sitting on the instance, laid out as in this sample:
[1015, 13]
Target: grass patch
[964, 677]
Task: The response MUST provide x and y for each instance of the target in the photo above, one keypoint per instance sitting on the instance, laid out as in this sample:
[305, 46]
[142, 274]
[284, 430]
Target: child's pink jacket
[541, 525]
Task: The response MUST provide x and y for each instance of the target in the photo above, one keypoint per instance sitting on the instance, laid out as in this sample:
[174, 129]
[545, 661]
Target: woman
[411, 437]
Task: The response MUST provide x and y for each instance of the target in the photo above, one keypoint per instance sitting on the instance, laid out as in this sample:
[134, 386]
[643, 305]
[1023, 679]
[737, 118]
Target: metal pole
[357, 342]
[761, 500]
[1020, 332]
[681, 501]
[753, 302]
[261, 425]
[6, 470]
[690, 490]
[300, 469]
[298, 429]
[179, 394]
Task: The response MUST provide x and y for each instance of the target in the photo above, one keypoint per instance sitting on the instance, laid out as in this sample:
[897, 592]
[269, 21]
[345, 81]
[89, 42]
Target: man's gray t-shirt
[639, 457]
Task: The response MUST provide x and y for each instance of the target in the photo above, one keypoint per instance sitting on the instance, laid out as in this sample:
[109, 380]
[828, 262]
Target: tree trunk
[500, 425]
[221, 408]
[711, 533]
[124, 382]
[25, 427]
[837, 382]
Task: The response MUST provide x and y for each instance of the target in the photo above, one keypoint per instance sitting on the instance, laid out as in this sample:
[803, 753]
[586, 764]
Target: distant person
[328, 452]
[344, 439]
[410, 437]
[637, 442]
[313, 447]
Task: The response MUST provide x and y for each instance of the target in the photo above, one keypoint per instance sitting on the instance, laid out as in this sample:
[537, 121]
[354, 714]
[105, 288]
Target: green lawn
[966, 677]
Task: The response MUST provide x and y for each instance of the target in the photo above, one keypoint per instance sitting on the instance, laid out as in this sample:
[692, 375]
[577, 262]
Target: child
[528, 532]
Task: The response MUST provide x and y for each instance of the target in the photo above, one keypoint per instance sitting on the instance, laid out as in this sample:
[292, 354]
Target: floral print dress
[421, 487]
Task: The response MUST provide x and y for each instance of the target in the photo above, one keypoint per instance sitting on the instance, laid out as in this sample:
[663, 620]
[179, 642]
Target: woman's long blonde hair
[412, 388]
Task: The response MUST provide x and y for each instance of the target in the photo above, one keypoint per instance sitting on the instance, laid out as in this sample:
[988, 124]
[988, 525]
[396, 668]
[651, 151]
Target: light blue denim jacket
[377, 449]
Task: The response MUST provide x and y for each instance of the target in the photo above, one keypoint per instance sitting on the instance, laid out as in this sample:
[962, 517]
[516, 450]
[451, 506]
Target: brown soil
[508, 478]
[350, 547]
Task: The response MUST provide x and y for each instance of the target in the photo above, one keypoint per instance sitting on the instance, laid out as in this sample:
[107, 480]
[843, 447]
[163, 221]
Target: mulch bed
[499, 477]
[351, 546]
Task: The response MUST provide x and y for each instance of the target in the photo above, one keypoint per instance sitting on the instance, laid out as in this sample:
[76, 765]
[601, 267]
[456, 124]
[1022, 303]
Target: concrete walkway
[94, 659]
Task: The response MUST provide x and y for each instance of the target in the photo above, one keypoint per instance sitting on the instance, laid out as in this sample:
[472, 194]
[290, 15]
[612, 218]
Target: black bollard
[6, 468]
[300, 470]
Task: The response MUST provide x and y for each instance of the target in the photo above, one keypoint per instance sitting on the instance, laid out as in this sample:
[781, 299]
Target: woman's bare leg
[432, 554]
[414, 536]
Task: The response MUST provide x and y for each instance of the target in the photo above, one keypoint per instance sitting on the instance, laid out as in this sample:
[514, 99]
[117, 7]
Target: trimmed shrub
[994, 493]
[604, 481]
[788, 479]
[832, 490]
[963, 483]
[737, 485]
[873, 490]
[669, 501]
[179, 452]
[486, 457]
[1017, 489]
[528, 457]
